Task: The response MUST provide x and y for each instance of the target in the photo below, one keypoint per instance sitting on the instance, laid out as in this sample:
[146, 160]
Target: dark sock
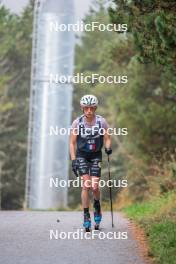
[97, 205]
[86, 210]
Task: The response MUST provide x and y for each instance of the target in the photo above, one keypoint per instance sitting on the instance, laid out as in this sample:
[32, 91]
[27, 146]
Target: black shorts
[89, 163]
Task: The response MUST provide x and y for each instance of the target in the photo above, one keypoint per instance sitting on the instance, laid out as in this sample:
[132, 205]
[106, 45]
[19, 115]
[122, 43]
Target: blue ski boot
[87, 222]
[97, 219]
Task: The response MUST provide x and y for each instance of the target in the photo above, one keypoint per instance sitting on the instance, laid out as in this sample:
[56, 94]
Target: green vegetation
[154, 208]
[146, 157]
[162, 237]
[15, 64]
[145, 105]
[158, 218]
[152, 23]
[151, 120]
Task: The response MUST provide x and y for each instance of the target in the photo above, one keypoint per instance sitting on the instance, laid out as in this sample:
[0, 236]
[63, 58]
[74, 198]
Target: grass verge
[158, 218]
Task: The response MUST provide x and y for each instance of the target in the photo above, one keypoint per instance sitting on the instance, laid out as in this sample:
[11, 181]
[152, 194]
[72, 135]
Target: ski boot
[87, 222]
[97, 219]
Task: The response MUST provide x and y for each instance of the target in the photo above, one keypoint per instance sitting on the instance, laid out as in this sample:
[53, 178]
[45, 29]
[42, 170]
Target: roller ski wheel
[87, 222]
[97, 227]
[87, 229]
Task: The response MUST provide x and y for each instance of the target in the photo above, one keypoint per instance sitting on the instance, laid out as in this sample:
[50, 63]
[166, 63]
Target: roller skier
[89, 134]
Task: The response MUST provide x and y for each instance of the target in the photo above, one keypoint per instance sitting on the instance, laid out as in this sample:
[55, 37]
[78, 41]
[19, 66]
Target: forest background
[146, 106]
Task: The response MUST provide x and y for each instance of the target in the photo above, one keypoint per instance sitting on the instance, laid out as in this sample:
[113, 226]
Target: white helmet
[89, 100]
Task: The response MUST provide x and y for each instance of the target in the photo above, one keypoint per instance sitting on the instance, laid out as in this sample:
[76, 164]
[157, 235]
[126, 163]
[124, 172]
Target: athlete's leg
[85, 200]
[95, 172]
[86, 183]
[85, 178]
[95, 187]
[96, 193]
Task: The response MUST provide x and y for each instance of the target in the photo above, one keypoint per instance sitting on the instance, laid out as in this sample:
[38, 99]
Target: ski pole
[110, 191]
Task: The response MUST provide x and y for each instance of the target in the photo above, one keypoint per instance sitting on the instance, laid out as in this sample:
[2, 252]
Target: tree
[15, 61]
[142, 105]
[152, 24]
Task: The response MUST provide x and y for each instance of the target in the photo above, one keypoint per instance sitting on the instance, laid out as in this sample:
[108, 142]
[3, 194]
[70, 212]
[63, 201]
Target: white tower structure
[50, 104]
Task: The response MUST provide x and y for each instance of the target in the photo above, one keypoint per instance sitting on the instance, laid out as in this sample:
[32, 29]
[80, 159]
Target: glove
[75, 167]
[108, 151]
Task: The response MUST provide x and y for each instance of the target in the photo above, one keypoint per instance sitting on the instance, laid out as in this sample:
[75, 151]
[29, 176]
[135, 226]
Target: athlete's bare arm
[72, 145]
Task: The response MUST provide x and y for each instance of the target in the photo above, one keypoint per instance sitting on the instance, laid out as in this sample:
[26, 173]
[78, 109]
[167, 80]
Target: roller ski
[87, 222]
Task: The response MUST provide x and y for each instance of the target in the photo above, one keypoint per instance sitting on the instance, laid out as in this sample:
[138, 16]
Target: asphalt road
[35, 237]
